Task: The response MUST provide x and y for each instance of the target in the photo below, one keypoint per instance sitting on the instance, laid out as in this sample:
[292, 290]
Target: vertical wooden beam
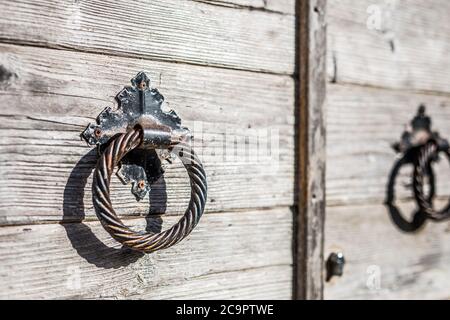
[310, 213]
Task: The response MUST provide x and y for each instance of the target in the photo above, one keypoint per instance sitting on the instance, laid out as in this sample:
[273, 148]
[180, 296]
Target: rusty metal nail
[98, 132]
[335, 265]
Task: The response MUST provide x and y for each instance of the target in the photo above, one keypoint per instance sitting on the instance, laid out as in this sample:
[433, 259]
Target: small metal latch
[335, 265]
[139, 106]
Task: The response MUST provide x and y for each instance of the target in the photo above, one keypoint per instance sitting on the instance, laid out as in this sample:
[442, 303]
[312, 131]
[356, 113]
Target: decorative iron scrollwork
[419, 146]
[128, 138]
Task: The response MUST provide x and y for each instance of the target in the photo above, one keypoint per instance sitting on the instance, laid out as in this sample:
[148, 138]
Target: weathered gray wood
[268, 283]
[51, 95]
[408, 51]
[311, 146]
[410, 266]
[228, 255]
[278, 6]
[362, 124]
[169, 30]
[53, 81]
[286, 6]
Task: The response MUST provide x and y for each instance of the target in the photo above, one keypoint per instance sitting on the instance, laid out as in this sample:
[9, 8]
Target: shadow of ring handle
[419, 218]
[426, 155]
[146, 241]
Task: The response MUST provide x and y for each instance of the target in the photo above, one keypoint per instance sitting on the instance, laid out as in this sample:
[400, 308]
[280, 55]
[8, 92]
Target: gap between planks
[131, 217]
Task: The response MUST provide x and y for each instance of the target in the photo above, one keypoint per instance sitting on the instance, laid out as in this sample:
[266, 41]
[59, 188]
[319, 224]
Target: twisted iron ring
[427, 154]
[146, 241]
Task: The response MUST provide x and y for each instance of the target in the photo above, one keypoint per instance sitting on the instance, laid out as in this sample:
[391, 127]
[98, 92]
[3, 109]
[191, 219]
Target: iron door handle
[419, 146]
[140, 124]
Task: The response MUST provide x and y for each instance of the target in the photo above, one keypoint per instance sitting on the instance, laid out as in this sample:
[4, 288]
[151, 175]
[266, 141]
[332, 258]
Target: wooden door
[230, 66]
[385, 58]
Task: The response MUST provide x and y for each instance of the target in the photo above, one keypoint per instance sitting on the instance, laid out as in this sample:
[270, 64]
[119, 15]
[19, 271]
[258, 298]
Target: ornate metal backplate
[139, 105]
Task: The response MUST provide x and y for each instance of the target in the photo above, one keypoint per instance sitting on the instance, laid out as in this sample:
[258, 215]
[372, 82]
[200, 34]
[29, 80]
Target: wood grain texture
[61, 63]
[51, 95]
[410, 266]
[311, 146]
[170, 30]
[228, 255]
[385, 58]
[400, 44]
[362, 124]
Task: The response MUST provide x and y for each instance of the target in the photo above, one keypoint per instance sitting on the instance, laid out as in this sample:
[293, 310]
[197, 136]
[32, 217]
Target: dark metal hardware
[418, 135]
[426, 156]
[419, 146]
[335, 265]
[139, 106]
[137, 137]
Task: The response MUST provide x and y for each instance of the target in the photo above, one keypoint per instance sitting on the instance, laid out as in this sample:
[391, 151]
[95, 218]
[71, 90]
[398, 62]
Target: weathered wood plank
[397, 44]
[409, 266]
[362, 123]
[374, 47]
[311, 146]
[286, 6]
[51, 95]
[228, 255]
[169, 30]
